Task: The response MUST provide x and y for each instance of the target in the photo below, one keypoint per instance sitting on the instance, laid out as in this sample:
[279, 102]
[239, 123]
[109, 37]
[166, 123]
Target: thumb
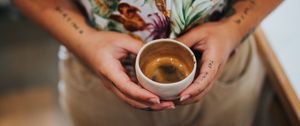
[191, 37]
[132, 45]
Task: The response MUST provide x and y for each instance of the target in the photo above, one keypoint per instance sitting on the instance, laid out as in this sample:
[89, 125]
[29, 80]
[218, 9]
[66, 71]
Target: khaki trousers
[231, 102]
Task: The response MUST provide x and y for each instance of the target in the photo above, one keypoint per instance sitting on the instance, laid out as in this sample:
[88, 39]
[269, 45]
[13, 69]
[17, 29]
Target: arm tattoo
[67, 17]
[245, 12]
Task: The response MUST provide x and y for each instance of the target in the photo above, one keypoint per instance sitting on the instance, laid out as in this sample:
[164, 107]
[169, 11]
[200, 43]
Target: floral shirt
[150, 19]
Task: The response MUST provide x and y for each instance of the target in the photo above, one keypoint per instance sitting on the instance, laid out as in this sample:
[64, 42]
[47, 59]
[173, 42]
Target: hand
[103, 52]
[216, 41]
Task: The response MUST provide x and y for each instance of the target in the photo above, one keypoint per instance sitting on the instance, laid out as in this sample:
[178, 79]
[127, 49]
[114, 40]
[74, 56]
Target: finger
[136, 104]
[132, 45]
[208, 72]
[199, 97]
[203, 93]
[192, 37]
[163, 105]
[158, 109]
[116, 73]
[140, 105]
[109, 85]
[128, 100]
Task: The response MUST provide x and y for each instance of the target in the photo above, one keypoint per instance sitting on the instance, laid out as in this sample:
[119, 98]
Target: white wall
[282, 28]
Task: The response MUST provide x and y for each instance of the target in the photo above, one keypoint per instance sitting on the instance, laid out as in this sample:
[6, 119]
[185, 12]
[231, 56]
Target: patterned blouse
[151, 19]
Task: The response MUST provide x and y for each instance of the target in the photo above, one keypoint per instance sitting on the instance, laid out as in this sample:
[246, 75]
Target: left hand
[216, 41]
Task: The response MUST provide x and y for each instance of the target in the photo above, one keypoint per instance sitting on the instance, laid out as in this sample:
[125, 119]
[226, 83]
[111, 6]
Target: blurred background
[29, 71]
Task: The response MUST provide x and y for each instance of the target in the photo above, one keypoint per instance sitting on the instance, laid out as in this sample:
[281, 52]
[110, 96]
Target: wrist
[77, 43]
[235, 31]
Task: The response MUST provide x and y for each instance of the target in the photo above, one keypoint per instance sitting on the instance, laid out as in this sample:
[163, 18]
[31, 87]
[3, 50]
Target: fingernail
[184, 97]
[154, 100]
[171, 107]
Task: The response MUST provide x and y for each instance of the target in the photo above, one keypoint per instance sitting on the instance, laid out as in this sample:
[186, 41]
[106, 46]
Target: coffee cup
[165, 67]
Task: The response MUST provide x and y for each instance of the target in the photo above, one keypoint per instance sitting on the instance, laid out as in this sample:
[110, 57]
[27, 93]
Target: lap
[231, 101]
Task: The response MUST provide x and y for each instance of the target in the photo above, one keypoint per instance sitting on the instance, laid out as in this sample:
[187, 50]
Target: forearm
[61, 18]
[245, 15]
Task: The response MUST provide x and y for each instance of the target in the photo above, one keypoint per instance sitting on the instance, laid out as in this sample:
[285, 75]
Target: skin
[102, 51]
[217, 41]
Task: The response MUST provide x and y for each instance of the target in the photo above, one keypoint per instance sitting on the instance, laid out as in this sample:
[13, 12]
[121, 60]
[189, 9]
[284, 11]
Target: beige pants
[231, 102]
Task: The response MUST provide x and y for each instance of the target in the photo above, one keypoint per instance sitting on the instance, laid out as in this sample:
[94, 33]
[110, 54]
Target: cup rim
[165, 40]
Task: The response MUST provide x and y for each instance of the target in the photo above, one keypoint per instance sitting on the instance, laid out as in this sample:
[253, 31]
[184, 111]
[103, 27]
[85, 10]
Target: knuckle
[197, 82]
[134, 94]
[197, 90]
[101, 71]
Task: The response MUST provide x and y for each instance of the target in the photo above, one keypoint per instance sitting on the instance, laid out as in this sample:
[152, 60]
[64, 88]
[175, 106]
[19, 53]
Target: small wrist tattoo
[67, 18]
[245, 11]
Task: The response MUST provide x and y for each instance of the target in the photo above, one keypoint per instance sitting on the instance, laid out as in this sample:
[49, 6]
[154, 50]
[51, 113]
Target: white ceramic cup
[166, 91]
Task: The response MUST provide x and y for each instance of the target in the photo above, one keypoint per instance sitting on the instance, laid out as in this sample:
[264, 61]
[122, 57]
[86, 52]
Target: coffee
[166, 69]
[166, 62]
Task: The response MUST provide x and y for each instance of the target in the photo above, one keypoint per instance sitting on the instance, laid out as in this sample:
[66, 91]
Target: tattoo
[230, 11]
[245, 11]
[68, 19]
[204, 75]
[210, 66]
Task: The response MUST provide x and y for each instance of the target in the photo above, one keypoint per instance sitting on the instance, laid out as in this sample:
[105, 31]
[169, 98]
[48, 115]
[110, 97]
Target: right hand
[102, 51]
